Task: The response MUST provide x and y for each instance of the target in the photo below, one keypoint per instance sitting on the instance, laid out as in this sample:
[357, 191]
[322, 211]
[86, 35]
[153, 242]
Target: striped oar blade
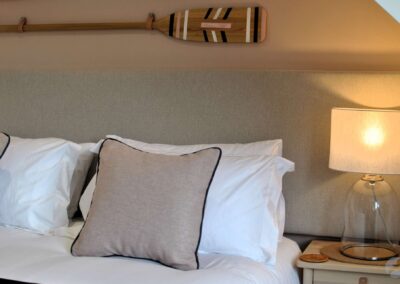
[218, 25]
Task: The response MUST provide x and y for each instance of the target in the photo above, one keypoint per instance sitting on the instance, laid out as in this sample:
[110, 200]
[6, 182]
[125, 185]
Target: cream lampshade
[367, 141]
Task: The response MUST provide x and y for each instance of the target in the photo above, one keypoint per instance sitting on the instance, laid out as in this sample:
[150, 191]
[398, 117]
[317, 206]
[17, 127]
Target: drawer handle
[363, 280]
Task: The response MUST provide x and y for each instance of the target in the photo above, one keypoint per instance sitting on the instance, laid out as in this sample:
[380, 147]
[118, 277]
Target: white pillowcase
[246, 184]
[79, 176]
[268, 147]
[240, 211]
[35, 180]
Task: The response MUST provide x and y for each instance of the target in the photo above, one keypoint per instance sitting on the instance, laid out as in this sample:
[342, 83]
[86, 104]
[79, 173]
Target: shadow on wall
[321, 191]
[368, 90]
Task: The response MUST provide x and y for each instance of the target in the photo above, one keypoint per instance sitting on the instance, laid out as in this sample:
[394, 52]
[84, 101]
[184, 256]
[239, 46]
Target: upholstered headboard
[202, 107]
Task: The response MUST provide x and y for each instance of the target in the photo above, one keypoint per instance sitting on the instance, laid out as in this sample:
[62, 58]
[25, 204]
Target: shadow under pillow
[148, 206]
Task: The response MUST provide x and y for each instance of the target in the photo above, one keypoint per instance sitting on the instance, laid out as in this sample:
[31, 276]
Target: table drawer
[337, 277]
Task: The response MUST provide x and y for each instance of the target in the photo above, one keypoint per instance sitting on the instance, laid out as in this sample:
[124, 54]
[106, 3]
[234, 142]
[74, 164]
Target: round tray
[333, 252]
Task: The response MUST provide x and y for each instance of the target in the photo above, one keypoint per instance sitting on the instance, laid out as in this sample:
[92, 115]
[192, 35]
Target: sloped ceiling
[392, 7]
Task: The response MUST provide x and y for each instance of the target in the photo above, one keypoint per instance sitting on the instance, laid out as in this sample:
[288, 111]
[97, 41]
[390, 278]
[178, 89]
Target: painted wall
[307, 34]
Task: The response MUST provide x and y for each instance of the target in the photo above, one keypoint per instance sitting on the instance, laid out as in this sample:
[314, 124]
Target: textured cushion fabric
[4, 141]
[148, 205]
[35, 181]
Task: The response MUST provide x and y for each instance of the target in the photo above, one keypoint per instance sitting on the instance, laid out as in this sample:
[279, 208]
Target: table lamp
[367, 141]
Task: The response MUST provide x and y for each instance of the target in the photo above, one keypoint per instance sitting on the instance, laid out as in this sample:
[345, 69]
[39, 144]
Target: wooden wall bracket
[150, 20]
[21, 24]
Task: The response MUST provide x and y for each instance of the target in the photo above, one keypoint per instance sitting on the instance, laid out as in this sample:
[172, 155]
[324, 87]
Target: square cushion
[245, 210]
[148, 205]
[4, 142]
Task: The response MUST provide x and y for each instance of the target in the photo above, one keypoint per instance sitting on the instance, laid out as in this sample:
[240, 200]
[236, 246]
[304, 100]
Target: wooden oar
[217, 25]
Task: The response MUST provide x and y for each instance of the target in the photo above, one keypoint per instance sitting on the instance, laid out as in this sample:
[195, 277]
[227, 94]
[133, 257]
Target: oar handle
[23, 27]
[74, 27]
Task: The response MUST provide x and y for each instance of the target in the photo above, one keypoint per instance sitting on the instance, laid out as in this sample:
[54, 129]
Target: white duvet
[29, 257]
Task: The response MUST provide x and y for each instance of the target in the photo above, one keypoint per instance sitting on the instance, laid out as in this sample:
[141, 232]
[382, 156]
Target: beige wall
[306, 34]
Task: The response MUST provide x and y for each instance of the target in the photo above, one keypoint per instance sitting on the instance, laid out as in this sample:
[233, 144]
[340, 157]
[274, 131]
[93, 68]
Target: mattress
[29, 257]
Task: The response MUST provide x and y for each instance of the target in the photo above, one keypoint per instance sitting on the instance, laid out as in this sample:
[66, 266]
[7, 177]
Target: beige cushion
[4, 141]
[148, 205]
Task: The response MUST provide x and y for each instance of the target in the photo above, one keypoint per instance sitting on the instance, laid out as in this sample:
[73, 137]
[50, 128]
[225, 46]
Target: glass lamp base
[372, 220]
[370, 252]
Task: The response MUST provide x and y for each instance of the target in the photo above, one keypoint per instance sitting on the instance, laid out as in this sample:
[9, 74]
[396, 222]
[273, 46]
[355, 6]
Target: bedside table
[334, 272]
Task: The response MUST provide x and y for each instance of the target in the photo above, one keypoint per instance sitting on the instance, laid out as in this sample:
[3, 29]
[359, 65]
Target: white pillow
[244, 177]
[35, 180]
[79, 176]
[240, 211]
[268, 147]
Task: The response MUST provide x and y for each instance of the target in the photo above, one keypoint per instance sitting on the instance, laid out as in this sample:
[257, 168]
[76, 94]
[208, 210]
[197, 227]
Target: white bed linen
[26, 256]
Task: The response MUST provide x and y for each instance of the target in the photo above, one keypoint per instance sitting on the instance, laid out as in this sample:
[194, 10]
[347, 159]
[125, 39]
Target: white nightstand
[334, 272]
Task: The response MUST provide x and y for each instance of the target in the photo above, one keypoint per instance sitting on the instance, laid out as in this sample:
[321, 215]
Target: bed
[34, 258]
[152, 213]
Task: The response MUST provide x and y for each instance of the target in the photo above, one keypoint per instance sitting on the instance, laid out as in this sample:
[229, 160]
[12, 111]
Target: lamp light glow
[373, 136]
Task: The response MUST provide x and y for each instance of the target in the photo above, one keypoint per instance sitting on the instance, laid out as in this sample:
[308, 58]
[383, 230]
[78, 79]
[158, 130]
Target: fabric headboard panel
[184, 107]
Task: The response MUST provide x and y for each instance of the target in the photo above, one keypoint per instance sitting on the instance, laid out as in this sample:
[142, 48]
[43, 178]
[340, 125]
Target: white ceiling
[392, 7]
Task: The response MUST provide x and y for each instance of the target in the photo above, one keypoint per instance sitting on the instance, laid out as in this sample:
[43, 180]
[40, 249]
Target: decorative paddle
[227, 25]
